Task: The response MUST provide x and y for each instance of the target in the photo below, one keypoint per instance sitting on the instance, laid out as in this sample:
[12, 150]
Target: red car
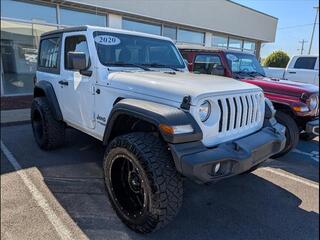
[297, 104]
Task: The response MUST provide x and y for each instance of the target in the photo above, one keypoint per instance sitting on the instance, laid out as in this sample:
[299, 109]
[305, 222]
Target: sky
[295, 23]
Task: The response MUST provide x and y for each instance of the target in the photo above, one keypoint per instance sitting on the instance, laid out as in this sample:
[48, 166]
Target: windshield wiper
[158, 65]
[124, 64]
[251, 74]
[255, 74]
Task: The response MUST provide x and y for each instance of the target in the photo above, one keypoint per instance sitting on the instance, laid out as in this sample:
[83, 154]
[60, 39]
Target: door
[302, 70]
[76, 95]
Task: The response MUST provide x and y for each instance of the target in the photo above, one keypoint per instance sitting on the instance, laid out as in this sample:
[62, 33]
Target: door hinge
[93, 90]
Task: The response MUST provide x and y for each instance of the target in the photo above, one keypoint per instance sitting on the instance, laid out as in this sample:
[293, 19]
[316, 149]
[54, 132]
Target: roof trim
[64, 30]
[104, 29]
[209, 49]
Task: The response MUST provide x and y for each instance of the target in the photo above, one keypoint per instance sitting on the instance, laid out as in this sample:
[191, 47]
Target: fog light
[216, 168]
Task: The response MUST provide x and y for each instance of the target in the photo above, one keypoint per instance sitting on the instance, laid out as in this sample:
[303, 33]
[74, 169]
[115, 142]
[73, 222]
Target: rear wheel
[142, 183]
[48, 132]
[292, 132]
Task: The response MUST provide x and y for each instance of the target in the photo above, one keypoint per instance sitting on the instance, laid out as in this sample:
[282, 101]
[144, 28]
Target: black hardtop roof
[64, 30]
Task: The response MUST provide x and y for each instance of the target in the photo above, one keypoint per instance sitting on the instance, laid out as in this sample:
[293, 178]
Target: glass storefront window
[219, 42]
[235, 43]
[170, 32]
[187, 36]
[249, 46]
[141, 27]
[28, 11]
[76, 17]
[19, 49]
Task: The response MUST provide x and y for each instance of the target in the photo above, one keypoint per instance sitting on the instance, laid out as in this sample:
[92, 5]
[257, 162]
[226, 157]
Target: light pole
[302, 46]
[314, 26]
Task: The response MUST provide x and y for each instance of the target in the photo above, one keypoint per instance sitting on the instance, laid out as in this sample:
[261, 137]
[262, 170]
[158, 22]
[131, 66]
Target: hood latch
[186, 103]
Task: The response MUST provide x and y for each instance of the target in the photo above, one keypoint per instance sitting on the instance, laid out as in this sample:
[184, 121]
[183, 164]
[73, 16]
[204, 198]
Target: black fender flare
[47, 88]
[156, 114]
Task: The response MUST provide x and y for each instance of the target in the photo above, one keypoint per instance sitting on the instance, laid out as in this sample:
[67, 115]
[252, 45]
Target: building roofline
[100, 8]
[252, 9]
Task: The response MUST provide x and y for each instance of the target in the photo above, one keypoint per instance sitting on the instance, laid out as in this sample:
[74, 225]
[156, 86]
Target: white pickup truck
[302, 68]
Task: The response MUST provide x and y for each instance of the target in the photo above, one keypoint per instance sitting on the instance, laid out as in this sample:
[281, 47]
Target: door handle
[293, 72]
[63, 82]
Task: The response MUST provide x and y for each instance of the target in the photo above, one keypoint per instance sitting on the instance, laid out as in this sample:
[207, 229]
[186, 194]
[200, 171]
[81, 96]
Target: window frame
[169, 27]
[191, 31]
[82, 11]
[47, 69]
[300, 57]
[236, 39]
[133, 20]
[201, 54]
[64, 51]
[220, 36]
[249, 50]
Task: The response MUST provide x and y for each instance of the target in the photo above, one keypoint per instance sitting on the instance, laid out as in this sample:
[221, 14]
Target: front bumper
[198, 162]
[313, 127]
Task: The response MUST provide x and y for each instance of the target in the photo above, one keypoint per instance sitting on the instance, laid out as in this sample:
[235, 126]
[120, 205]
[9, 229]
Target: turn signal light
[180, 129]
[300, 108]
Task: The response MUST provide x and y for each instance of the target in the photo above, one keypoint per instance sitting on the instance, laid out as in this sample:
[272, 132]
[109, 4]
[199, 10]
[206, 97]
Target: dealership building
[216, 23]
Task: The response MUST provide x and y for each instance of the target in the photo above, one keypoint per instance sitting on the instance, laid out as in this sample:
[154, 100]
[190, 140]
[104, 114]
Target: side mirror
[76, 61]
[218, 70]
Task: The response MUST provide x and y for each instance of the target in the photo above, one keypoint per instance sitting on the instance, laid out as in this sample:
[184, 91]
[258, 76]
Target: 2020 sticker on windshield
[107, 40]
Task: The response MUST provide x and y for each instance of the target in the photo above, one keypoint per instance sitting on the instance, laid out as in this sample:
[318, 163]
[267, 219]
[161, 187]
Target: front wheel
[142, 182]
[292, 132]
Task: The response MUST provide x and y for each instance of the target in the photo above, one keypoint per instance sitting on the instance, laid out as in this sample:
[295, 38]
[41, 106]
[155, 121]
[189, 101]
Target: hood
[283, 87]
[174, 86]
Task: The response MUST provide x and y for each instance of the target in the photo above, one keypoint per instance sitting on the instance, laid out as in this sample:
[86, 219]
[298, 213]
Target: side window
[184, 55]
[305, 63]
[205, 63]
[75, 44]
[49, 53]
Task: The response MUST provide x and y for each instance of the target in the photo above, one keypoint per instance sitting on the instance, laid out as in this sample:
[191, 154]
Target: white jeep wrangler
[159, 122]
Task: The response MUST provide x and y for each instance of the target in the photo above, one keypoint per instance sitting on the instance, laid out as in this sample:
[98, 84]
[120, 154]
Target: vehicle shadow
[302, 161]
[243, 207]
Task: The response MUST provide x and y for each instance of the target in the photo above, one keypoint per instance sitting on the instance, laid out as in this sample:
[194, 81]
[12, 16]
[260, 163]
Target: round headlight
[313, 102]
[204, 111]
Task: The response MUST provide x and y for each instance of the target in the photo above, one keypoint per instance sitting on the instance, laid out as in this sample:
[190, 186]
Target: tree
[278, 59]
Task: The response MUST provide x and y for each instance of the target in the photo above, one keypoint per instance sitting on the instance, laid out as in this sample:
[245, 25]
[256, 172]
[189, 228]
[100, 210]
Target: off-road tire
[292, 132]
[163, 184]
[307, 136]
[48, 132]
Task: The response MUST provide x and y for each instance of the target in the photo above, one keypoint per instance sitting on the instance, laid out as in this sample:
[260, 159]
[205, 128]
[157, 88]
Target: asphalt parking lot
[60, 194]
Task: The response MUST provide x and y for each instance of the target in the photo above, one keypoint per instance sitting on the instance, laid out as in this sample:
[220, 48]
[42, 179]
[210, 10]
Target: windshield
[117, 49]
[244, 64]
